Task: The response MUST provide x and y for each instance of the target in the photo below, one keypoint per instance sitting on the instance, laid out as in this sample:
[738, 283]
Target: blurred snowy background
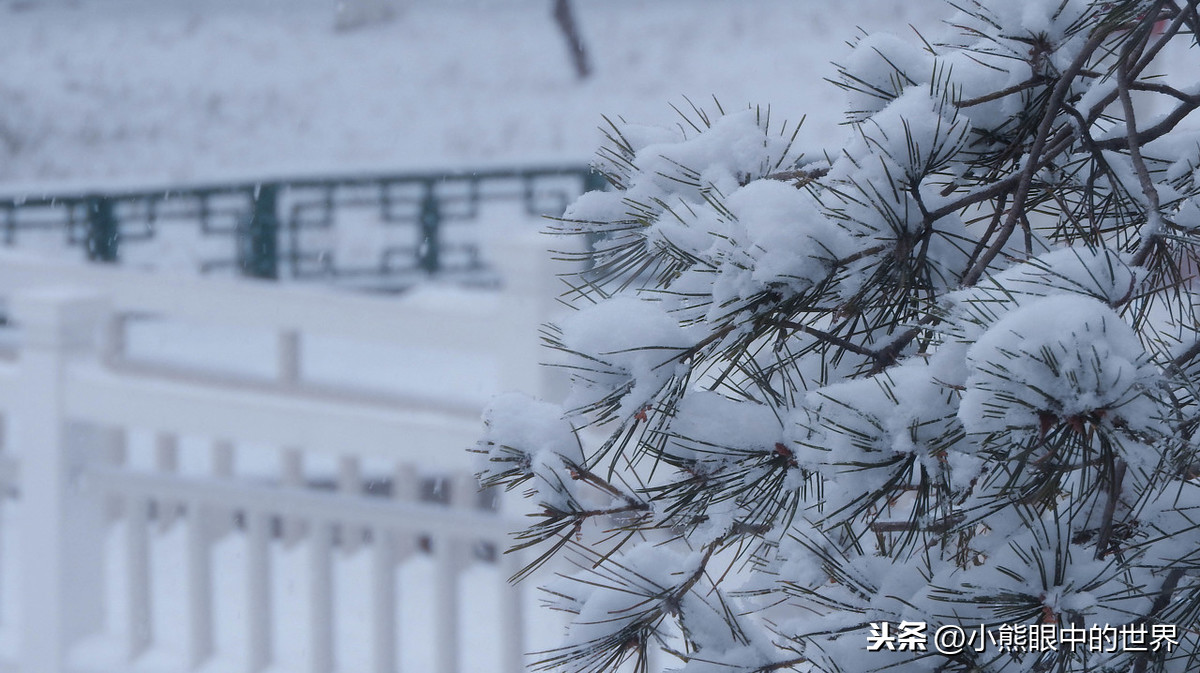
[116, 94]
[142, 91]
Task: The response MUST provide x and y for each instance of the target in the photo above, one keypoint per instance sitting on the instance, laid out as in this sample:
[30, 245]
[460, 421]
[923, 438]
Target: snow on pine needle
[832, 397]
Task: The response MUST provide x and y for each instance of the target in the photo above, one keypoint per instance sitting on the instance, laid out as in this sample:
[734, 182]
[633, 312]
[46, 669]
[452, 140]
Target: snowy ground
[147, 91]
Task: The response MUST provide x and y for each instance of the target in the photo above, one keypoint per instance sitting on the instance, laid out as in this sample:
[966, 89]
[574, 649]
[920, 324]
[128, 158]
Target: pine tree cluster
[944, 375]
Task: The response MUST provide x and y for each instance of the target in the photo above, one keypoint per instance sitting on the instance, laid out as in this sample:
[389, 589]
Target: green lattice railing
[283, 228]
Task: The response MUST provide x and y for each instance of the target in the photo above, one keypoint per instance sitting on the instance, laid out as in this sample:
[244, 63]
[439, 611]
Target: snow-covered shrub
[922, 400]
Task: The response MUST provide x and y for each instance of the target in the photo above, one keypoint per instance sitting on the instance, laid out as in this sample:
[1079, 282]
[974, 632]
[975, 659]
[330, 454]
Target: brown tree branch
[1153, 224]
[1021, 193]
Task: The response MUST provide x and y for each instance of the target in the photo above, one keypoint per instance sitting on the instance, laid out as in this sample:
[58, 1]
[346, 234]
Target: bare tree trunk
[566, 21]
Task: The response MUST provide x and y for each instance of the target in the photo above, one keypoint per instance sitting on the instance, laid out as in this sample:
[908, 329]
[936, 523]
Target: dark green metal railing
[287, 228]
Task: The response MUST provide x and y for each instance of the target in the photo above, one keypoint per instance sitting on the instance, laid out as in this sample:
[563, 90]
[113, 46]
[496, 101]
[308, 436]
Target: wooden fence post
[61, 528]
[450, 558]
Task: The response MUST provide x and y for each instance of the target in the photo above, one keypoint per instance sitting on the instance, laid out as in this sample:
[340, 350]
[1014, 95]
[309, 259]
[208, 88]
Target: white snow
[103, 94]
[137, 91]
[1086, 360]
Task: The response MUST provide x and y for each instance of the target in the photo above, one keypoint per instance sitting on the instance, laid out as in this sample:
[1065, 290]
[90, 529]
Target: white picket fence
[128, 480]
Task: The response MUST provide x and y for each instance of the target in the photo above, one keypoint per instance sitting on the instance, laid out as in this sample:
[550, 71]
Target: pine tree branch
[787, 663]
[1186, 356]
[1110, 509]
[1161, 601]
[701, 567]
[1039, 158]
[1061, 142]
[1089, 144]
[1036, 169]
[799, 176]
[829, 338]
[861, 254]
[1191, 18]
[1034, 81]
[768, 668]
[1153, 226]
[1150, 50]
[1050, 115]
[1154, 132]
[890, 354]
[578, 472]
[1189, 103]
[579, 515]
[707, 341]
[1160, 88]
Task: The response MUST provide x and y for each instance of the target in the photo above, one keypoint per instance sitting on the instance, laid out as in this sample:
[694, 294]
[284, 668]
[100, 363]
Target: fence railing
[380, 231]
[128, 482]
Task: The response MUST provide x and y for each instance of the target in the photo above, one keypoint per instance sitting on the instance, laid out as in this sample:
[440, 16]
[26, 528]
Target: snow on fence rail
[130, 481]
